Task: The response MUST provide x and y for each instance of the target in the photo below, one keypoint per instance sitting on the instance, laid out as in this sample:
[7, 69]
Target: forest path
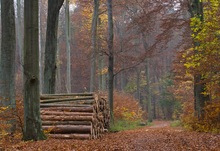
[159, 137]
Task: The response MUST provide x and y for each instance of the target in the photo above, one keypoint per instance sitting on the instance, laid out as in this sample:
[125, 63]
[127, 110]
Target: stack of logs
[76, 116]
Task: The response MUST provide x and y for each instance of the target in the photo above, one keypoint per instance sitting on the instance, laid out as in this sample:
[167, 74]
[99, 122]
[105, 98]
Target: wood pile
[76, 116]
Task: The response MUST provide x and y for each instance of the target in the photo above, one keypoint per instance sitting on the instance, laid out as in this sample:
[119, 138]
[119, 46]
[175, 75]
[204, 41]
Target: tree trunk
[51, 46]
[138, 97]
[104, 75]
[110, 59]
[94, 44]
[19, 35]
[123, 83]
[40, 51]
[58, 73]
[149, 95]
[32, 121]
[68, 53]
[7, 57]
[199, 86]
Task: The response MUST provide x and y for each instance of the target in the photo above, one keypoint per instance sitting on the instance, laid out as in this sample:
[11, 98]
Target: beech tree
[94, 44]
[110, 58]
[50, 66]
[7, 55]
[196, 11]
[68, 50]
[32, 121]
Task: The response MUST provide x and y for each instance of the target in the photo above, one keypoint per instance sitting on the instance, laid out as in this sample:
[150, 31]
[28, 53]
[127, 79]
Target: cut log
[66, 99]
[68, 94]
[63, 129]
[43, 112]
[66, 123]
[70, 109]
[70, 136]
[71, 114]
[66, 118]
[64, 105]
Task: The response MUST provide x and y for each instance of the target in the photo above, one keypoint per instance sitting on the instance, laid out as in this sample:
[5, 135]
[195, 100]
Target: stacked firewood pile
[76, 116]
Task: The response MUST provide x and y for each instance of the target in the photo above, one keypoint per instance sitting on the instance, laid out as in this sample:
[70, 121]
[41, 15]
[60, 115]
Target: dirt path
[159, 137]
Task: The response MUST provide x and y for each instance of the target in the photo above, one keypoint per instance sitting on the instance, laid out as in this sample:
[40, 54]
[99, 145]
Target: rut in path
[159, 137]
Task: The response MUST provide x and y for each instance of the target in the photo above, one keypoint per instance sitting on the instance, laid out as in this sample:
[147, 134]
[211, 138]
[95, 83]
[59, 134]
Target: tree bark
[110, 59]
[32, 121]
[19, 39]
[68, 50]
[7, 60]
[94, 44]
[51, 46]
[7, 57]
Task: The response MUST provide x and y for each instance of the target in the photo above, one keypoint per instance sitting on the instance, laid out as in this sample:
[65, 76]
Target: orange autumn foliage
[126, 107]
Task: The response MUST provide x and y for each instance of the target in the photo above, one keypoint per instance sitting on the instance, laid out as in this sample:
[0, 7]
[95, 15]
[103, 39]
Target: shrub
[127, 112]
[210, 121]
[126, 108]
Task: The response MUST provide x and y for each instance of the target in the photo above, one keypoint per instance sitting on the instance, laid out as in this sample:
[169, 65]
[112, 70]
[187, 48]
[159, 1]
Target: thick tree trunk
[110, 59]
[94, 44]
[40, 51]
[68, 53]
[32, 120]
[51, 46]
[7, 57]
[7, 60]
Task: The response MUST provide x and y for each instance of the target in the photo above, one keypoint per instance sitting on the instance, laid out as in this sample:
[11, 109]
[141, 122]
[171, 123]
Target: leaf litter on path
[159, 137]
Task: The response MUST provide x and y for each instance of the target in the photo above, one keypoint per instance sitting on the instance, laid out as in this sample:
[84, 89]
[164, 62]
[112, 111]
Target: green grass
[122, 125]
[176, 123]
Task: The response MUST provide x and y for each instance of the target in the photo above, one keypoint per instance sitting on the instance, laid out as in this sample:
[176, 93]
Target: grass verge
[176, 123]
[121, 125]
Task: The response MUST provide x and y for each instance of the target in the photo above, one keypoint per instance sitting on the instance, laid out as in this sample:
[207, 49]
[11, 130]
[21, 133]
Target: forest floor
[159, 137]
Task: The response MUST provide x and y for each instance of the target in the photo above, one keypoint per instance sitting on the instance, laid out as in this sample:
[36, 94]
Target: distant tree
[7, 55]
[32, 121]
[51, 46]
[110, 58]
[200, 98]
[94, 44]
[68, 50]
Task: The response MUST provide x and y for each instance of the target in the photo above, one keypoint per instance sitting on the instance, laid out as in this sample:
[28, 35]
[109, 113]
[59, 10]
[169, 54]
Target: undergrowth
[121, 125]
[176, 123]
[209, 123]
[127, 113]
